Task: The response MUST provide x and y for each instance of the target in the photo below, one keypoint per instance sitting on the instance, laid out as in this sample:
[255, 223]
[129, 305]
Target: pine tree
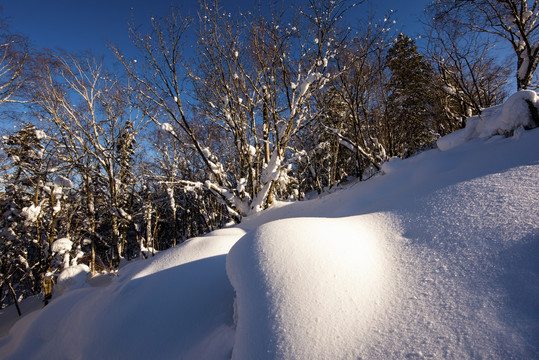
[409, 102]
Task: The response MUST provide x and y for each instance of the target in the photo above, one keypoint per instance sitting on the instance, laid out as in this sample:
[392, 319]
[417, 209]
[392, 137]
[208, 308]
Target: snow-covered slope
[436, 259]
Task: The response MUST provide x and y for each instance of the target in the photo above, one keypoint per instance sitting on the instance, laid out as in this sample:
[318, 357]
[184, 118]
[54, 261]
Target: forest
[112, 162]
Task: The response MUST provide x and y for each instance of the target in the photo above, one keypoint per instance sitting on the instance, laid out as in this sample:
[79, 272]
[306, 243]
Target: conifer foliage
[410, 101]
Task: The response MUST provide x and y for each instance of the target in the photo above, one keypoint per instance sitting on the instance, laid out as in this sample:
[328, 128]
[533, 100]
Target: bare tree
[355, 102]
[256, 71]
[91, 119]
[512, 20]
[14, 53]
[470, 78]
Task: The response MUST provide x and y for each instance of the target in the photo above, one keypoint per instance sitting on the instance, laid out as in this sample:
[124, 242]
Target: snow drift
[309, 288]
[436, 259]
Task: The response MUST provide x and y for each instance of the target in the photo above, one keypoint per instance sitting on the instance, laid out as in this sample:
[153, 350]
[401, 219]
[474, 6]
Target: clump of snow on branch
[31, 213]
[62, 181]
[270, 174]
[167, 127]
[40, 134]
[216, 167]
[61, 246]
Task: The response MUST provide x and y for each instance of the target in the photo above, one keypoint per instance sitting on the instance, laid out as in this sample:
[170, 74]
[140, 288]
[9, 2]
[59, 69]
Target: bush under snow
[72, 277]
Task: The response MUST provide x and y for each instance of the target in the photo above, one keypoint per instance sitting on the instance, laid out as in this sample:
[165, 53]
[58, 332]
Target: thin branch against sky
[75, 25]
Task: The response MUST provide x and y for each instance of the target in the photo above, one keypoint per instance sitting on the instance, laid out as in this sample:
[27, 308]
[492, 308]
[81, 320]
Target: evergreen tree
[409, 102]
[23, 242]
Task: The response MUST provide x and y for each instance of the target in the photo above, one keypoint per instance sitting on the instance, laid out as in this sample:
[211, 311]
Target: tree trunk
[14, 298]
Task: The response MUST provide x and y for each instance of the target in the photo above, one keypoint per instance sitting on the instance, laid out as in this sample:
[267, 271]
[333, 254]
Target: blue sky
[77, 25]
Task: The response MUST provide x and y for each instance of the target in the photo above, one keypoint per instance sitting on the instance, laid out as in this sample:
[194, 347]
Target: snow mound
[73, 277]
[435, 260]
[514, 113]
[309, 288]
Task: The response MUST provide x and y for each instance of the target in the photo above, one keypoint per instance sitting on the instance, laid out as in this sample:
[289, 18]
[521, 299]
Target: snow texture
[308, 288]
[436, 259]
[515, 112]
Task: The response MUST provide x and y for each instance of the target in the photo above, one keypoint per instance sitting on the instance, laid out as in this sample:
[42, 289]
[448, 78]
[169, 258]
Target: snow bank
[515, 112]
[9, 315]
[176, 305]
[392, 165]
[308, 288]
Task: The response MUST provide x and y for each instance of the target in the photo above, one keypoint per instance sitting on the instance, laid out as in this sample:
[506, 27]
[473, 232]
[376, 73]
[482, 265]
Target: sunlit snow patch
[308, 288]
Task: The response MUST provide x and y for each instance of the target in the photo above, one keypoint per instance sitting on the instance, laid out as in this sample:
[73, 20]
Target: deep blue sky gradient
[77, 25]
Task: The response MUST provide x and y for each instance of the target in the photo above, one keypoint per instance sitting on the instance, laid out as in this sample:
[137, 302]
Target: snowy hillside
[434, 259]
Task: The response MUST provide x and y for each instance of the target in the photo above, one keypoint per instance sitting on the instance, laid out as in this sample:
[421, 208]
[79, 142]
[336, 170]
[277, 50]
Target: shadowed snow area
[436, 259]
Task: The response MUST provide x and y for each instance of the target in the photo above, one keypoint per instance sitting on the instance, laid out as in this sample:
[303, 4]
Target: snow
[308, 288]
[9, 315]
[61, 245]
[512, 114]
[72, 277]
[57, 207]
[31, 213]
[392, 165]
[524, 67]
[62, 181]
[167, 127]
[252, 151]
[269, 174]
[40, 134]
[435, 259]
